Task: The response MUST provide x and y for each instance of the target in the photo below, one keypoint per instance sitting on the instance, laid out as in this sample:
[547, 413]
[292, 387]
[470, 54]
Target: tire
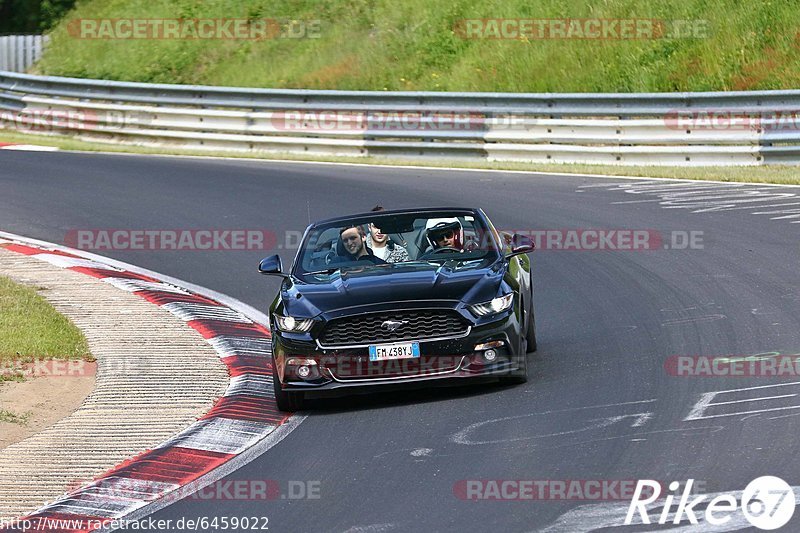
[521, 375]
[287, 401]
[530, 334]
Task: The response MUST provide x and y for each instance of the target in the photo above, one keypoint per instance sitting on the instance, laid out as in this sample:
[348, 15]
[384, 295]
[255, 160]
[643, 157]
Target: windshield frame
[495, 248]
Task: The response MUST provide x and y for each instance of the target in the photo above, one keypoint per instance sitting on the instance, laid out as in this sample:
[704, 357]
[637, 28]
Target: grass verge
[705, 45]
[780, 174]
[31, 329]
[13, 418]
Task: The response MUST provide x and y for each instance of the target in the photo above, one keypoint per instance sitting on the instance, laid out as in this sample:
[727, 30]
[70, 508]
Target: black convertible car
[400, 297]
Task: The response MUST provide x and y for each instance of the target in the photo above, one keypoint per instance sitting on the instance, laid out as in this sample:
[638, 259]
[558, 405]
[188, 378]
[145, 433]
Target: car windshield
[383, 241]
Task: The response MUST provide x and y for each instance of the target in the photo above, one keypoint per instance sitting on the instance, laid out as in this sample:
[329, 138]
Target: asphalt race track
[599, 405]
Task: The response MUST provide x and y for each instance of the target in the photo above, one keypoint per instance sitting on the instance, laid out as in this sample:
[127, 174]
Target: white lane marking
[692, 320]
[704, 197]
[422, 452]
[30, 148]
[699, 410]
[70, 262]
[732, 402]
[128, 488]
[228, 346]
[105, 508]
[134, 285]
[741, 413]
[779, 211]
[642, 420]
[191, 311]
[252, 384]
[222, 435]
[464, 436]
[783, 416]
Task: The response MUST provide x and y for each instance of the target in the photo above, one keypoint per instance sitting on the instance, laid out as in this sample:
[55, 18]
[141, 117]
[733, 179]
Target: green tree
[31, 16]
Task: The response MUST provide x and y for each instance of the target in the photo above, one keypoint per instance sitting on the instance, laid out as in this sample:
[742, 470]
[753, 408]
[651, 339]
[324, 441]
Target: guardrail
[715, 128]
[18, 52]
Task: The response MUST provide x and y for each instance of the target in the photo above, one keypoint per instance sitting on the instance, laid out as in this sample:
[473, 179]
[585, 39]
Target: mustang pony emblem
[392, 325]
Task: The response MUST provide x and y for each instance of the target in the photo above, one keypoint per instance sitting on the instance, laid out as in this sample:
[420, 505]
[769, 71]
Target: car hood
[393, 284]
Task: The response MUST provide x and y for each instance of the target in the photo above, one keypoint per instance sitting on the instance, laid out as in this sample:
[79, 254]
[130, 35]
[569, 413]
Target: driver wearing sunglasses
[445, 233]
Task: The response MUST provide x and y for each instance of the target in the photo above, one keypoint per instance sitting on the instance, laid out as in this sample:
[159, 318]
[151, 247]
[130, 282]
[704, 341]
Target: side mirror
[519, 250]
[520, 244]
[271, 265]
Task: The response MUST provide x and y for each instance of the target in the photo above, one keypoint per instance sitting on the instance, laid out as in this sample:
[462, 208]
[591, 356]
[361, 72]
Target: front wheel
[521, 374]
[530, 335]
[287, 401]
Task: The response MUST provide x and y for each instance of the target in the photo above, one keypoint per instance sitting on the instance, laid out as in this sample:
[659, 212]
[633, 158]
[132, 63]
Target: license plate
[383, 352]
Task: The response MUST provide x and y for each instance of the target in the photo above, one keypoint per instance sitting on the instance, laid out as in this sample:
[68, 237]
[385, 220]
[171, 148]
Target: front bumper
[451, 360]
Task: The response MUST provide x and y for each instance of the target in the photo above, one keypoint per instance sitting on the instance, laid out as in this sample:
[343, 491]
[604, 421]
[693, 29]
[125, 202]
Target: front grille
[366, 329]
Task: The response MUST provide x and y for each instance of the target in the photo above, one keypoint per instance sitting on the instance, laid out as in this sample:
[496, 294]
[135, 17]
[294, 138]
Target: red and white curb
[242, 425]
[28, 147]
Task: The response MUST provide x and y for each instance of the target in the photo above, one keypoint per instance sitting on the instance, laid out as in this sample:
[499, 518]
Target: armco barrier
[18, 52]
[716, 128]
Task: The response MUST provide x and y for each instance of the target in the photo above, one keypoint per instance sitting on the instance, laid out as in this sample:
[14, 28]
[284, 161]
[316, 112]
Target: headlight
[293, 325]
[498, 305]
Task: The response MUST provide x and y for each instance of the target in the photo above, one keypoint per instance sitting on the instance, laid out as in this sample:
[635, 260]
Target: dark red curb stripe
[170, 465]
[161, 298]
[239, 365]
[109, 273]
[30, 250]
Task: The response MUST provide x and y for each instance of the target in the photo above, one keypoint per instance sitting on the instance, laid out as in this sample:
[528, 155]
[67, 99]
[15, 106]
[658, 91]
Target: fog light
[490, 355]
[303, 371]
[490, 344]
[297, 361]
